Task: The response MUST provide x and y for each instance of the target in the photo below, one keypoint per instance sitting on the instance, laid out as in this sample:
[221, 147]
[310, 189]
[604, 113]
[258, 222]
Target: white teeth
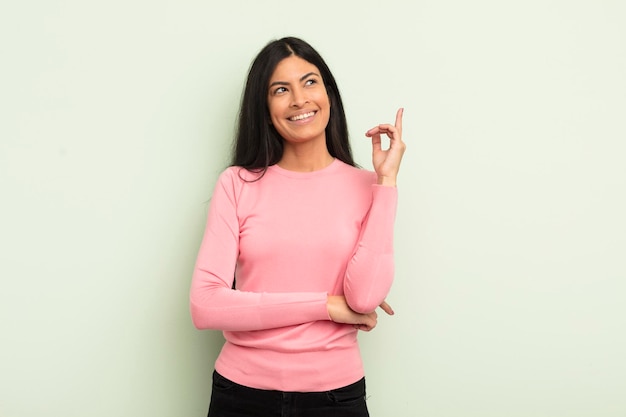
[302, 116]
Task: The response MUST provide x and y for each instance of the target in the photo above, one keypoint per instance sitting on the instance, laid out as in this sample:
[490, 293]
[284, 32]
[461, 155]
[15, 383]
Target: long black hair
[257, 144]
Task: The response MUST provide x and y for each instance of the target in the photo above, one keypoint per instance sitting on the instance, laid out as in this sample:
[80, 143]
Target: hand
[340, 312]
[387, 162]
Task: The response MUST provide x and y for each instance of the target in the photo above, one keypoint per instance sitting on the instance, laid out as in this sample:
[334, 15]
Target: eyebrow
[307, 75]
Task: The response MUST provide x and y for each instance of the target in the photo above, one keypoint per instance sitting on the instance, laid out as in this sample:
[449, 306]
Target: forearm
[370, 272]
[215, 306]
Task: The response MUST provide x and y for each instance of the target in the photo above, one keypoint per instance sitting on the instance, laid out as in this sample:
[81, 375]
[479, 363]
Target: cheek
[324, 100]
[273, 113]
[277, 105]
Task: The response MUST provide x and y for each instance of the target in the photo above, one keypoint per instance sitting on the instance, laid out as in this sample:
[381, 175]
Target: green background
[116, 118]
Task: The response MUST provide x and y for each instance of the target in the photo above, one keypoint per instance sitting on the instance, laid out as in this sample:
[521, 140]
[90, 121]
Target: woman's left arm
[370, 271]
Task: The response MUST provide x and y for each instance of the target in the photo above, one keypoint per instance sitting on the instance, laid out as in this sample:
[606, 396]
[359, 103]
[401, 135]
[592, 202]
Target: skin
[297, 89]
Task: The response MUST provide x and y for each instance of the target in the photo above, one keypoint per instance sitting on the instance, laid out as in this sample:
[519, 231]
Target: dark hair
[257, 144]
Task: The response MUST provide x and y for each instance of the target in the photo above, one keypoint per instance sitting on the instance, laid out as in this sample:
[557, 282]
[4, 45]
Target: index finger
[387, 308]
[399, 119]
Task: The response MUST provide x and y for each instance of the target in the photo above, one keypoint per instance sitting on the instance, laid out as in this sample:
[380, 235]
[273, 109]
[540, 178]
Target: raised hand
[387, 161]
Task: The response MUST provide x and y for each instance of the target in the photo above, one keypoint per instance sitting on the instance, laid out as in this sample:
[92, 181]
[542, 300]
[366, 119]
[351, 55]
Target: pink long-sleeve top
[290, 239]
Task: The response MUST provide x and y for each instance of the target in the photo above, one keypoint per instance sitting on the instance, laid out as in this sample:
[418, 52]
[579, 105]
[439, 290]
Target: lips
[302, 116]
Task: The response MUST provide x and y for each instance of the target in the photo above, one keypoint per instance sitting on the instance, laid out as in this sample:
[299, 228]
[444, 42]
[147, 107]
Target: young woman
[298, 248]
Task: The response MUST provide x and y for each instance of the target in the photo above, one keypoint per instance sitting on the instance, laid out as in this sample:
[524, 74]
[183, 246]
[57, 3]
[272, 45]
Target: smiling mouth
[302, 116]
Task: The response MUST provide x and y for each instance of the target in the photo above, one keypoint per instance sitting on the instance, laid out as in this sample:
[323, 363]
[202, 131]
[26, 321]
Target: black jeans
[230, 399]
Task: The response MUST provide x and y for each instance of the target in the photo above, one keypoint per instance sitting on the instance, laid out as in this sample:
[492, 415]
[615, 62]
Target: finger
[381, 128]
[370, 320]
[387, 308]
[373, 131]
[376, 143]
[384, 127]
[391, 132]
[399, 115]
[363, 327]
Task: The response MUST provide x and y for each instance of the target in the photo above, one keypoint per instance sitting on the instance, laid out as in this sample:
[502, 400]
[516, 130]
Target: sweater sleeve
[370, 272]
[213, 302]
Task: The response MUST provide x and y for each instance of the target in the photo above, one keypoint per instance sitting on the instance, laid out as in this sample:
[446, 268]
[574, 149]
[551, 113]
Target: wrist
[386, 181]
[329, 306]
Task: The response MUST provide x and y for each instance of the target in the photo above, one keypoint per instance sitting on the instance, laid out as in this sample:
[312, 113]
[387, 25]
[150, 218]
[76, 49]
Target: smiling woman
[300, 110]
[306, 236]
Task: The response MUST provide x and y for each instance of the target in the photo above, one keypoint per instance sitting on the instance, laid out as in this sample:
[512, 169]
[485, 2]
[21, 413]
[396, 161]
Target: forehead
[292, 68]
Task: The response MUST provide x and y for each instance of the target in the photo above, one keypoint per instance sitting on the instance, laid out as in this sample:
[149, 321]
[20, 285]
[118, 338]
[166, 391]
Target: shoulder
[238, 175]
[233, 180]
[358, 174]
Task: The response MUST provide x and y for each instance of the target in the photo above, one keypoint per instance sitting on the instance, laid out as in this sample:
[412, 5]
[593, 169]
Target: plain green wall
[116, 118]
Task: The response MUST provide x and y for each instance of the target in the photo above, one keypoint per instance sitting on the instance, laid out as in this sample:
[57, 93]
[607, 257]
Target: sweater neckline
[309, 174]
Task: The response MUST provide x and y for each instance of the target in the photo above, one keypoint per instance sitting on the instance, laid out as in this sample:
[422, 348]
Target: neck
[305, 158]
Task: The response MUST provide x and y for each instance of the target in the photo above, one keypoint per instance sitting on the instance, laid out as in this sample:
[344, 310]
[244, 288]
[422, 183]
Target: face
[298, 103]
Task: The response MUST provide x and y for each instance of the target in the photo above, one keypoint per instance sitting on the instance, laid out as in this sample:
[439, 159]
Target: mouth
[302, 116]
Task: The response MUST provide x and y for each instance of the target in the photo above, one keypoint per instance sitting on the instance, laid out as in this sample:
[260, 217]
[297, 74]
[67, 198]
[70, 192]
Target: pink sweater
[291, 239]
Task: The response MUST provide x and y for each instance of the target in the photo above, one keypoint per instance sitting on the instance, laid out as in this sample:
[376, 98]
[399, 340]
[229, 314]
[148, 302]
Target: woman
[297, 253]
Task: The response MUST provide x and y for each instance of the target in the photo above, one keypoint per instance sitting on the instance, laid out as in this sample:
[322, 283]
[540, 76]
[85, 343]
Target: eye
[279, 90]
[310, 81]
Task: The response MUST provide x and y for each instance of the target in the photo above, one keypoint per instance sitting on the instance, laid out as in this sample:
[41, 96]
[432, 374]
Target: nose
[298, 97]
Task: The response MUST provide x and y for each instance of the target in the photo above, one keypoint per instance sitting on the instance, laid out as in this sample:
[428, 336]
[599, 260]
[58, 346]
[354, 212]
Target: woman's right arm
[213, 302]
